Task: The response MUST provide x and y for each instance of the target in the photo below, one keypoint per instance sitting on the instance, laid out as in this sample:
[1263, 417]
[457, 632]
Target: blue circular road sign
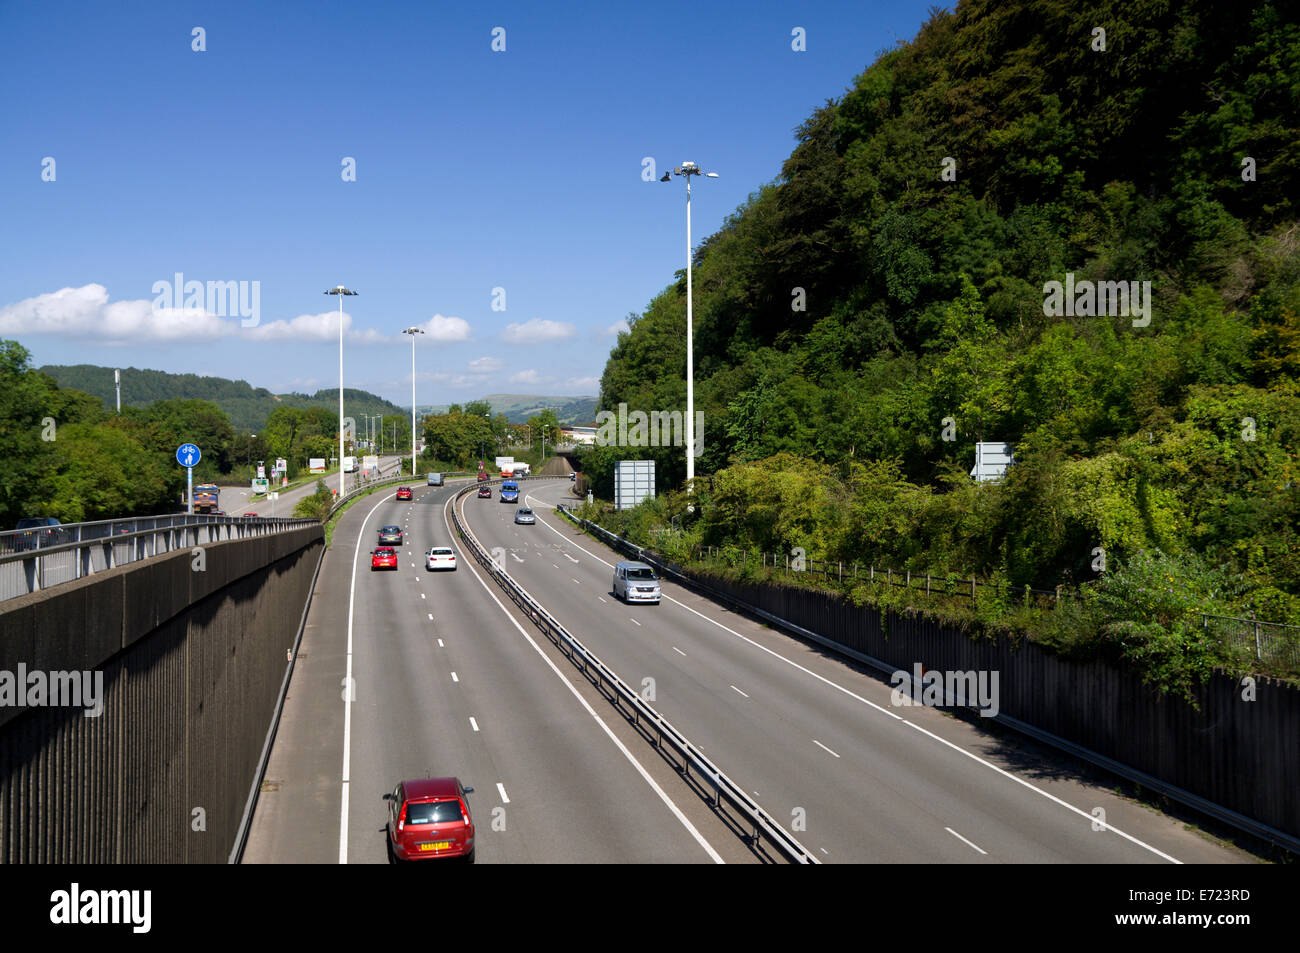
[187, 455]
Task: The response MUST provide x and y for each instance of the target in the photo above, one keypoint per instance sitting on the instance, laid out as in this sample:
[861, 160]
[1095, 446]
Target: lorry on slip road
[207, 498]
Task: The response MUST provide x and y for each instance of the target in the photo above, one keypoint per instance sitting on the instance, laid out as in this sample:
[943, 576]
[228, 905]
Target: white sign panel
[316, 464]
[991, 461]
[634, 481]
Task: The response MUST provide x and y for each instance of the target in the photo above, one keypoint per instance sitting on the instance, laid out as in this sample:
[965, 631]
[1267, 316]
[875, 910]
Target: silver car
[524, 515]
[636, 582]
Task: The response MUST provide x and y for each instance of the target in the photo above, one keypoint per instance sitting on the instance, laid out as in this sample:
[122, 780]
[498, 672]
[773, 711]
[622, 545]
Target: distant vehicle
[509, 492]
[207, 498]
[428, 819]
[435, 479]
[250, 514]
[521, 469]
[636, 582]
[525, 515]
[42, 531]
[482, 475]
[349, 464]
[403, 492]
[385, 558]
[390, 535]
[485, 493]
[440, 557]
[505, 466]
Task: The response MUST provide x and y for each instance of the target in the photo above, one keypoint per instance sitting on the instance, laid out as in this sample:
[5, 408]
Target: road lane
[507, 723]
[899, 785]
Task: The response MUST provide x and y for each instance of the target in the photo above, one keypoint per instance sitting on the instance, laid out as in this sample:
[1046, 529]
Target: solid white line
[823, 747]
[473, 724]
[679, 651]
[454, 677]
[885, 711]
[645, 775]
[735, 689]
[964, 840]
[347, 695]
[501, 789]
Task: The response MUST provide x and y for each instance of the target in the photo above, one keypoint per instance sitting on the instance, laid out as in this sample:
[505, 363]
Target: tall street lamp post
[686, 170]
[413, 331]
[340, 291]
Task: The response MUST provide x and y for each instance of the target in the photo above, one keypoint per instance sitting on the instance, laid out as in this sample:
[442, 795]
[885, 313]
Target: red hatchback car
[383, 559]
[403, 492]
[428, 819]
[485, 493]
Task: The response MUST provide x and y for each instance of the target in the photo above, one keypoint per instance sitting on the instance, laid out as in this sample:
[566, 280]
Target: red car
[403, 492]
[428, 819]
[383, 559]
[485, 493]
[482, 476]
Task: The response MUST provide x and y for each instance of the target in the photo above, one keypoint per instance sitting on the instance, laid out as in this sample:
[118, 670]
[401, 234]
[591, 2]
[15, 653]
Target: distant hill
[519, 407]
[247, 407]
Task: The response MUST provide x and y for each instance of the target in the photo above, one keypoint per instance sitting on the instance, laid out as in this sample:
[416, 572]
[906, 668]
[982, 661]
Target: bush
[318, 505]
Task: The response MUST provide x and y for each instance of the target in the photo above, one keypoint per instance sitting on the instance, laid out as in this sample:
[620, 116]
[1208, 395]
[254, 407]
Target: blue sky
[475, 170]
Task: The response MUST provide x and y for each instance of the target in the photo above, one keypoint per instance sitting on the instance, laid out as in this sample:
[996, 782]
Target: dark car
[429, 819]
[485, 493]
[390, 536]
[42, 531]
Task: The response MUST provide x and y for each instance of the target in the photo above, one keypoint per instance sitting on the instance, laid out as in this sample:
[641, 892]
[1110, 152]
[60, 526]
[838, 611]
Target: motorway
[447, 681]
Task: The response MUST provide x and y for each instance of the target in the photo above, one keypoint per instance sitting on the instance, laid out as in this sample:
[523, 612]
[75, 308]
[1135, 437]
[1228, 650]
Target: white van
[636, 582]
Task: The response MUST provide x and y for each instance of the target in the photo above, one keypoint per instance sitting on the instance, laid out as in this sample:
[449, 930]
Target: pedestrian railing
[39, 559]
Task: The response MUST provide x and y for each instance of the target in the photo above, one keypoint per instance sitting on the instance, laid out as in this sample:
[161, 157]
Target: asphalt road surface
[448, 679]
[447, 683]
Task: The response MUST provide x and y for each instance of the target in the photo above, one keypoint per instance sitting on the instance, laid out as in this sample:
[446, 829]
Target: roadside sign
[188, 455]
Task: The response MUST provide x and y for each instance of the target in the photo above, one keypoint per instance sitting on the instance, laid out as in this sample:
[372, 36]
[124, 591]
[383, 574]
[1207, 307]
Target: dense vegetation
[865, 319]
[465, 435]
[67, 456]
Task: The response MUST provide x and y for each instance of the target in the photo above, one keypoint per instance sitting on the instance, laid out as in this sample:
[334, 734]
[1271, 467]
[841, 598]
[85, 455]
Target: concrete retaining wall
[191, 664]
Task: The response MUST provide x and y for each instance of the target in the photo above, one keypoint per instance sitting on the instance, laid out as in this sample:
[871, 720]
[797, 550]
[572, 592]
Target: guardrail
[39, 559]
[644, 717]
[1141, 778]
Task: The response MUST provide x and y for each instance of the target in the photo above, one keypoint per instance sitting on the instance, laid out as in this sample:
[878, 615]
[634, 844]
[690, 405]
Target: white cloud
[537, 331]
[584, 383]
[86, 312]
[618, 327]
[486, 365]
[446, 330]
[313, 327]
